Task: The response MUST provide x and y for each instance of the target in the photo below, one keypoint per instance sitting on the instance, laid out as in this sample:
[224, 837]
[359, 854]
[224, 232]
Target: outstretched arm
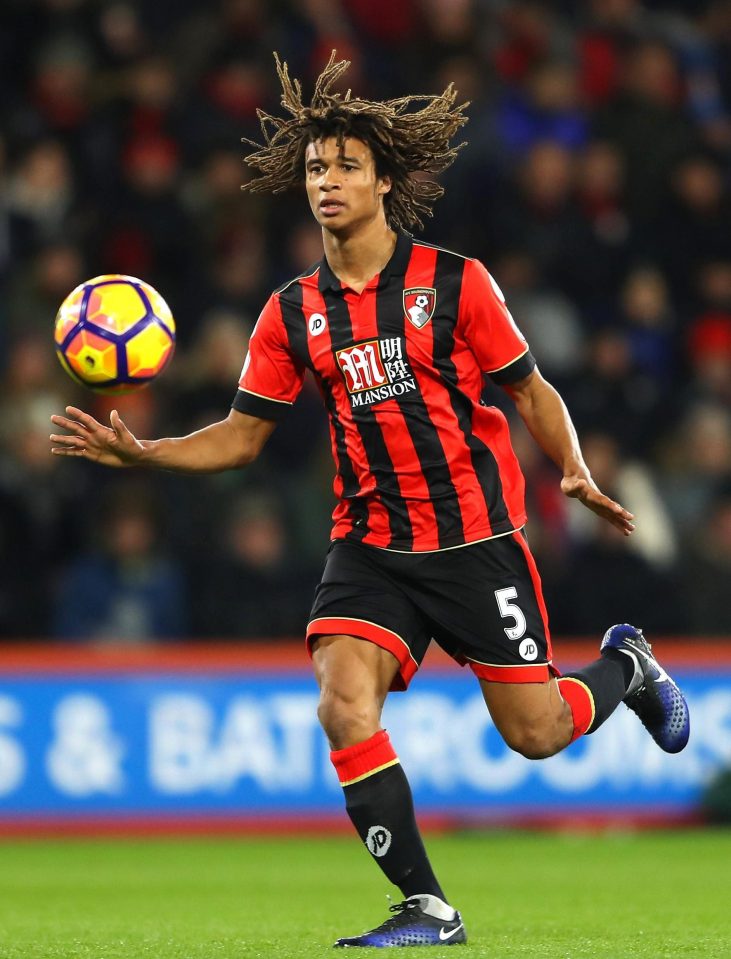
[228, 444]
[545, 414]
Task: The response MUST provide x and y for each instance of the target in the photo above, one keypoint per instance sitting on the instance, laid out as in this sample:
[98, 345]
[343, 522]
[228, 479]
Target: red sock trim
[364, 759]
[581, 703]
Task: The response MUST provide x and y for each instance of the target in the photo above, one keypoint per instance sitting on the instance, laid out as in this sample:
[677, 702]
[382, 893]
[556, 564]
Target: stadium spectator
[537, 213]
[693, 227]
[610, 394]
[695, 459]
[120, 37]
[221, 340]
[42, 511]
[529, 33]
[706, 568]
[709, 337]
[41, 199]
[599, 571]
[630, 482]
[649, 122]
[137, 104]
[650, 326]
[546, 108]
[606, 235]
[35, 292]
[144, 230]
[551, 323]
[126, 590]
[251, 583]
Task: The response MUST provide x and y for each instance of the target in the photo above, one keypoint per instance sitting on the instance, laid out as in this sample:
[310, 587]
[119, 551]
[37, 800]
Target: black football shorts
[482, 603]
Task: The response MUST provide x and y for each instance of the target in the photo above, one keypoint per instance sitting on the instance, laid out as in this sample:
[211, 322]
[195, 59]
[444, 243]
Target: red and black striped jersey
[421, 462]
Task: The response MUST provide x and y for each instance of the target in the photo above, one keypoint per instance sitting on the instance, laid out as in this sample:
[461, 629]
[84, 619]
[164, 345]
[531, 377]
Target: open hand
[86, 437]
[592, 497]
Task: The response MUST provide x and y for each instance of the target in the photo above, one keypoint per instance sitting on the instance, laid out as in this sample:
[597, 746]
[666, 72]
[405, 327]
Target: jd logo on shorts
[378, 841]
[528, 649]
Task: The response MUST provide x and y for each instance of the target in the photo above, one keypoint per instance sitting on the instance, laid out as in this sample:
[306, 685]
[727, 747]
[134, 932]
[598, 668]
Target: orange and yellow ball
[114, 334]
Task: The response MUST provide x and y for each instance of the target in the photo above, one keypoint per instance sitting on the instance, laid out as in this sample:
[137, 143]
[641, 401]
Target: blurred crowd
[596, 187]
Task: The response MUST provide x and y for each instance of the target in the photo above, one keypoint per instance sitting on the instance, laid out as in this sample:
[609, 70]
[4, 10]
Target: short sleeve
[272, 376]
[489, 328]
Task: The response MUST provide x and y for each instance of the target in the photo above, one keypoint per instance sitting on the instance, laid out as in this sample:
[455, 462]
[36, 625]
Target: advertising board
[231, 737]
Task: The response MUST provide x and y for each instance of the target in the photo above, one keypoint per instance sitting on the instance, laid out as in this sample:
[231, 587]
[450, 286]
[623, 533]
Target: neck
[358, 257]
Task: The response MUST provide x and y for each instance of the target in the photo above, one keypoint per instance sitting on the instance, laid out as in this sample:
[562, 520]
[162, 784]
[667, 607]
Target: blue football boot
[412, 926]
[652, 694]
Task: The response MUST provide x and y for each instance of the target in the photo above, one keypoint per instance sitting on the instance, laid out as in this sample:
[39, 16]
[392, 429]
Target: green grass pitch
[543, 896]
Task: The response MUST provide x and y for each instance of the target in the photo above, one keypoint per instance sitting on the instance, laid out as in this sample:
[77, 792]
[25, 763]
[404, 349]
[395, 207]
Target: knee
[532, 741]
[346, 719]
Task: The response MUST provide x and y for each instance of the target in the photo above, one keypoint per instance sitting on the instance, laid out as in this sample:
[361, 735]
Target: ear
[384, 185]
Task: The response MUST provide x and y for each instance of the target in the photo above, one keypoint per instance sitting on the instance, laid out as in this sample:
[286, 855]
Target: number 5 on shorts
[503, 597]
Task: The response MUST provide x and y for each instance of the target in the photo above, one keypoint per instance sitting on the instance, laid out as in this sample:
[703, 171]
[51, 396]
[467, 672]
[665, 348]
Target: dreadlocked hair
[404, 141]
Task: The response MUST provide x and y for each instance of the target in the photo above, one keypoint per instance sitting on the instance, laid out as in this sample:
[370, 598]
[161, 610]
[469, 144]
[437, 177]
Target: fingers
[117, 424]
[73, 426]
[622, 524]
[617, 515]
[618, 510]
[68, 451]
[602, 505]
[77, 422]
[87, 438]
[76, 442]
[85, 419]
[79, 426]
[73, 445]
[592, 497]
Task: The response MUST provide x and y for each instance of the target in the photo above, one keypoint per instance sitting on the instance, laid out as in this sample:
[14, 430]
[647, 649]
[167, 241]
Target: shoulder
[450, 262]
[458, 259]
[472, 272]
[441, 249]
[308, 277]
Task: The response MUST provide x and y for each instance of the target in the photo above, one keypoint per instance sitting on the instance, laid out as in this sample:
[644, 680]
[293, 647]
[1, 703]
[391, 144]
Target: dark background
[595, 187]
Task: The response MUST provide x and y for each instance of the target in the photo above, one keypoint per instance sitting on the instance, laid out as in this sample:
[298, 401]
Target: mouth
[331, 207]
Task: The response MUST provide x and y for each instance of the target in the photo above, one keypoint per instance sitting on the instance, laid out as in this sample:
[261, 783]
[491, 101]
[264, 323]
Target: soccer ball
[114, 334]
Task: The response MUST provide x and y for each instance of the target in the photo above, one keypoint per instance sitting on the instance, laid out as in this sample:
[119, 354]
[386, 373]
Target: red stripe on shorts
[536, 578]
[538, 673]
[362, 629]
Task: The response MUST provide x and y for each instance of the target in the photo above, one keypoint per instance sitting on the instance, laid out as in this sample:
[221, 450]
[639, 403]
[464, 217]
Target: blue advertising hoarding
[162, 742]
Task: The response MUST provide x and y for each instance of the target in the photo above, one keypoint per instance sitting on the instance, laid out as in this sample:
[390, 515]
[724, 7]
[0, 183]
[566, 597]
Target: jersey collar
[396, 266]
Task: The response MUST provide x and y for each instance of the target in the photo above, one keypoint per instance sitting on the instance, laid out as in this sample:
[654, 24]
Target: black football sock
[626, 662]
[379, 802]
[607, 680]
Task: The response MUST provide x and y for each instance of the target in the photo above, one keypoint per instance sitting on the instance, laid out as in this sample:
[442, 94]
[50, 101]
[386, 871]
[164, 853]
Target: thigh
[360, 596]
[532, 718]
[354, 677]
[486, 606]
[357, 669]
[512, 704]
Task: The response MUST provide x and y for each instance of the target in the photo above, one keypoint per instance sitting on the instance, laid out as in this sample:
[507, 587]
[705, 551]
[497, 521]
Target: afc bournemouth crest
[419, 303]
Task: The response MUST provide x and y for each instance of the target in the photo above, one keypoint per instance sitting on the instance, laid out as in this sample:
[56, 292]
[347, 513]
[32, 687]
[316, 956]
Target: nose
[330, 179]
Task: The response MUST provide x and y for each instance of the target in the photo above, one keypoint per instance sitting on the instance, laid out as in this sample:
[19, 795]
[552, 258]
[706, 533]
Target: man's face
[342, 186]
